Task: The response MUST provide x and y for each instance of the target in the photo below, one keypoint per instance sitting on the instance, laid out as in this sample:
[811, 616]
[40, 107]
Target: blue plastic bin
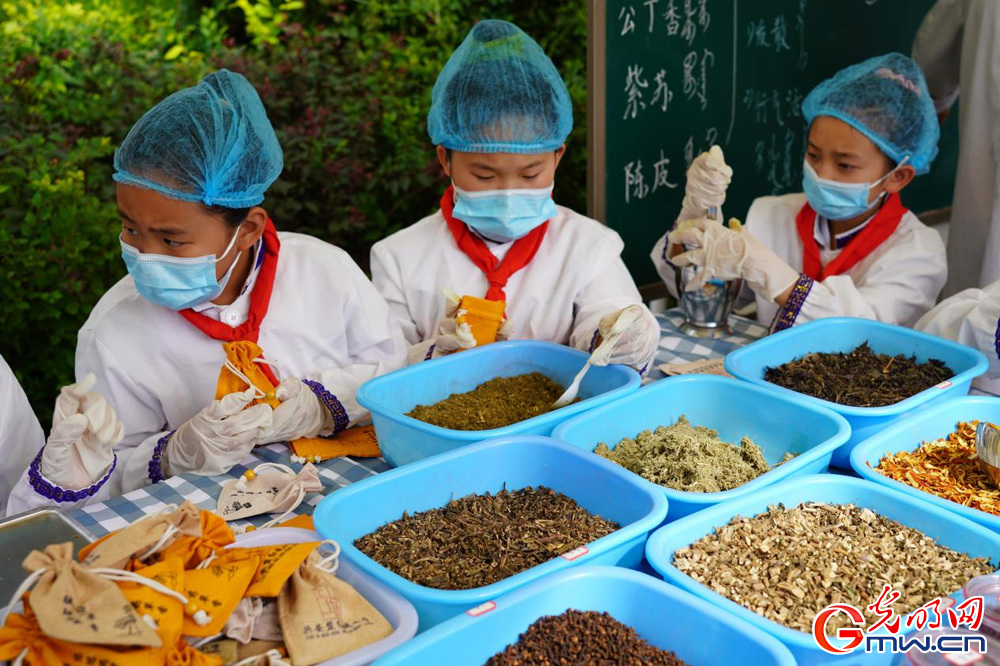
[404, 440]
[663, 615]
[843, 334]
[946, 528]
[908, 434]
[398, 611]
[597, 485]
[777, 423]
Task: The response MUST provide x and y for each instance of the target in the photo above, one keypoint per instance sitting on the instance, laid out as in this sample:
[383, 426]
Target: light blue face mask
[835, 200]
[505, 215]
[176, 282]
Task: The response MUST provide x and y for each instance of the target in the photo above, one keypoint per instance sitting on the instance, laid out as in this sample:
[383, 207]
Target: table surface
[116, 513]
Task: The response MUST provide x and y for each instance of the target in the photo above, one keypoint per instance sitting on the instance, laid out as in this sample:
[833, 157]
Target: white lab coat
[971, 317]
[897, 283]
[958, 47]
[576, 278]
[325, 322]
[21, 437]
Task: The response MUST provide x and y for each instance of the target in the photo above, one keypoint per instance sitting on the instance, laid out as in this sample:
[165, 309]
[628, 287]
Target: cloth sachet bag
[138, 624]
[323, 617]
[268, 488]
[118, 549]
[277, 564]
[243, 369]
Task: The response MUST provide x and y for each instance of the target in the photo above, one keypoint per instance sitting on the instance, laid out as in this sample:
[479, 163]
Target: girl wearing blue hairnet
[846, 246]
[206, 266]
[499, 117]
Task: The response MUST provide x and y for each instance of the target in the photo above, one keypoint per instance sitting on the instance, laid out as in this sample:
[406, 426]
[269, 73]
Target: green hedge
[346, 84]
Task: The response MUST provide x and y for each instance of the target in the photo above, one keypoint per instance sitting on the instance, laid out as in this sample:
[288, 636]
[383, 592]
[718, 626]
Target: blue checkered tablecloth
[677, 348]
[204, 491]
[104, 517]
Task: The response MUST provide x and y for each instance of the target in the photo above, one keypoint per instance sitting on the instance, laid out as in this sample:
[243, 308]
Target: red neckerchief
[497, 273]
[260, 298]
[882, 226]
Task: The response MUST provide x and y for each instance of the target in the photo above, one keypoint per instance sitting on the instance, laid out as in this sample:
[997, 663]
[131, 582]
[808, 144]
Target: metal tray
[33, 530]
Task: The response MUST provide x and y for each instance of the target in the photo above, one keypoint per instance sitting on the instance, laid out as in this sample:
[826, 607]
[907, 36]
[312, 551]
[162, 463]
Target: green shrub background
[347, 87]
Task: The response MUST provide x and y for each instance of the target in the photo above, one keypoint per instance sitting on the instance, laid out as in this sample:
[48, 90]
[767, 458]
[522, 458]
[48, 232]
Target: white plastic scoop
[600, 355]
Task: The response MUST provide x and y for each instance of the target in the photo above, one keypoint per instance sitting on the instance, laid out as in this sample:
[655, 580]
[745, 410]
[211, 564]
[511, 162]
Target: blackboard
[670, 77]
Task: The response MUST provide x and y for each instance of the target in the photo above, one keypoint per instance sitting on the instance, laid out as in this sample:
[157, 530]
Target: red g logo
[853, 636]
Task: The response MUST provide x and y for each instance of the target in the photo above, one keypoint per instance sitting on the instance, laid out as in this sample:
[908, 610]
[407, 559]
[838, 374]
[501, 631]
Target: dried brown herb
[494, 404]
[860, 378]
[481, 539]
[789, 564]
[689, 458]
[582, 637]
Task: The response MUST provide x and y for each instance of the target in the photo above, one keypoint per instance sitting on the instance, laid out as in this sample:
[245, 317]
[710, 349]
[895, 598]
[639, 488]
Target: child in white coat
[500, 115]
[206, 266]
[846, 246]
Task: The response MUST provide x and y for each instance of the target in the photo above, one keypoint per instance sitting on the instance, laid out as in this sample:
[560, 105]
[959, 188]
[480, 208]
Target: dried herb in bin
[494, 404]
[689, 458]
[481, 539]
[788, 564]
[947, 468]
[860, 378]
[582, 637]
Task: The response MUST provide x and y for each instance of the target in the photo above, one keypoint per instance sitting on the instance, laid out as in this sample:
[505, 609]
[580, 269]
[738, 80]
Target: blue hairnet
[499, 93]
[886, 99]
[211, 143]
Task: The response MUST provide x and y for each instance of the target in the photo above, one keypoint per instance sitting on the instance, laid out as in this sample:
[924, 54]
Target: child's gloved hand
[505, 331]
[300, 414]
[726, 255]
[637, 333]
[452, 336]
[85, 430]
[708, 177]
[217, 437]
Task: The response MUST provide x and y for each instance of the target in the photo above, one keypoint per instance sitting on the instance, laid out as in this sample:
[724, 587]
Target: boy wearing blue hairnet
[207, 266]
[500, 114]
[846, 246]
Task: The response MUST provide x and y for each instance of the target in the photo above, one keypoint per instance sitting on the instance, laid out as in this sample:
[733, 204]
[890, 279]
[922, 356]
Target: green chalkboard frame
[850, 31]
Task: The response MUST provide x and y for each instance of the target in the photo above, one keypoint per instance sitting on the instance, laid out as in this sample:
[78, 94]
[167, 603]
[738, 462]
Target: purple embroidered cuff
[430, 352]
[593, 341]
[330, 401]
[155, 467]
[996, 340]
[51, 491]
[787, 315]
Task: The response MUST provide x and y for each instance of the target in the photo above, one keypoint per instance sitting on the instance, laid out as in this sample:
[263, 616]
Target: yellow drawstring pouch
[212, 538]
[214, 591]
[359, 442]
[156, 609]
[240, 356]
[277, 564]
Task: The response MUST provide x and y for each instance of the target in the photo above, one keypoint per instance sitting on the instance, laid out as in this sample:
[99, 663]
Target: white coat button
[232, 318]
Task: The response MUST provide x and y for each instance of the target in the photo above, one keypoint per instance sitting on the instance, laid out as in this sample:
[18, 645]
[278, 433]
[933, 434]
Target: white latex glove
[726, 254]
[637, 334]
[505, 330]
[300, 414]
[708, 177]
[452, 336]
[217, 437]
[85, 430]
